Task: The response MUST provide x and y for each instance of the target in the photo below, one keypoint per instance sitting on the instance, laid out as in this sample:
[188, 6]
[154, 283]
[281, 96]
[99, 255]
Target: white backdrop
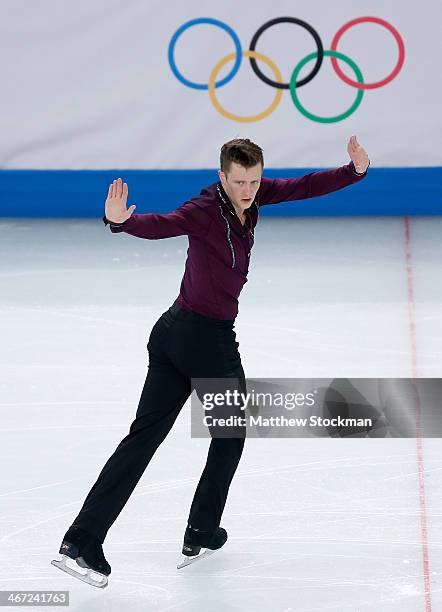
[88, 84]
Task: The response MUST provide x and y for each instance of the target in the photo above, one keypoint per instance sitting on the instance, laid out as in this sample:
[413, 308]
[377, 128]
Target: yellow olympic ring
[247, 118]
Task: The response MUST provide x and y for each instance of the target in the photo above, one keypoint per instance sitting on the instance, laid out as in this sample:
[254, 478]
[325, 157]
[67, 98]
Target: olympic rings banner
[146, 85]
[294, 84]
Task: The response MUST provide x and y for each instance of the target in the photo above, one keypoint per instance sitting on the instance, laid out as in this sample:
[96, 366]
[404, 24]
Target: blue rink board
[81, 193]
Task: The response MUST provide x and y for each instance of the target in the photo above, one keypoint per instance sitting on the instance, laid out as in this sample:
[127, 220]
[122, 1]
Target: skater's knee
[229, 447]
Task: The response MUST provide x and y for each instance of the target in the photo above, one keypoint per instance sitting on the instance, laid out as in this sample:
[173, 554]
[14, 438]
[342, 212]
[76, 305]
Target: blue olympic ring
[219, 24]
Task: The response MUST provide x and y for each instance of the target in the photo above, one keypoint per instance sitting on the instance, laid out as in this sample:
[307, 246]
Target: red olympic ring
[396, 69]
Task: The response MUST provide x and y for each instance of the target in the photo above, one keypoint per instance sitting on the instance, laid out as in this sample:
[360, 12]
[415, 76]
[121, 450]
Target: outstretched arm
[188, 219]
[273, 191]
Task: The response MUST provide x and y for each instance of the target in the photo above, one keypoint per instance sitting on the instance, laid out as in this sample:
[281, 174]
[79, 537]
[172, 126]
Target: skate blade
[87, 577]
[189, 560]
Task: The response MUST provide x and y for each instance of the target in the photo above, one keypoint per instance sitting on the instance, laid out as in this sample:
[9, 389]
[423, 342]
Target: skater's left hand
[358, 155]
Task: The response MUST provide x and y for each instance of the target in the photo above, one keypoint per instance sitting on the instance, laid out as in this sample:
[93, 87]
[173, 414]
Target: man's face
[241, 184]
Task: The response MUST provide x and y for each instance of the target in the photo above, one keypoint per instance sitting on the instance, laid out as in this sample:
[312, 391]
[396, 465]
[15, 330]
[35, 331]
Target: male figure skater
[194, 338]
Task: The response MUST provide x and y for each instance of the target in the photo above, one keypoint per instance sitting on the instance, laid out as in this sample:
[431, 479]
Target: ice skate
[195, 540]
[80, 549]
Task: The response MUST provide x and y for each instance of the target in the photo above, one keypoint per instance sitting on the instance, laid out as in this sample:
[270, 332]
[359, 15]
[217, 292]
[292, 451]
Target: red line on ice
[419, 445]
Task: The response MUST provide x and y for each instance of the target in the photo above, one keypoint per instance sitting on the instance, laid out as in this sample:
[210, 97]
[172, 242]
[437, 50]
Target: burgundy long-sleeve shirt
[219, 245]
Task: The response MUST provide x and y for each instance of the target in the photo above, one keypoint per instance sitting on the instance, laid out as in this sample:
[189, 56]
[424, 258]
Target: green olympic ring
[317, 118]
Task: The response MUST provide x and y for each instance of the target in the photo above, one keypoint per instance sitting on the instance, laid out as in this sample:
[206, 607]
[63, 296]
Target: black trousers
[181, 346]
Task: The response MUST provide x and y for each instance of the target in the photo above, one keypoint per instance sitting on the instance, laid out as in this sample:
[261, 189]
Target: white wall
[87, 84]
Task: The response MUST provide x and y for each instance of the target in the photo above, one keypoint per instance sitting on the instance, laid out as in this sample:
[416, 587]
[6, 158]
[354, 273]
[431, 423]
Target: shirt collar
[225, 198]
[229, 206]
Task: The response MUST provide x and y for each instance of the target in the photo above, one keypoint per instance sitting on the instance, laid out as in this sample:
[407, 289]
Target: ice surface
[313, 524]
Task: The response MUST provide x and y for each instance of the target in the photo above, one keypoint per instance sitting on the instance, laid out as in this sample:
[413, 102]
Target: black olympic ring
[303, 24]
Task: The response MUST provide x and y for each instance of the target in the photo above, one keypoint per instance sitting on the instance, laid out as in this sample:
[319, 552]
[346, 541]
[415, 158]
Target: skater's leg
[165, 392]
[222, 460]
[215, 355]
[212, 490]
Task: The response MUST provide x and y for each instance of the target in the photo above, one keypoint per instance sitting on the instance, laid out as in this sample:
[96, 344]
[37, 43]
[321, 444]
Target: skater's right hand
[115, 205]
